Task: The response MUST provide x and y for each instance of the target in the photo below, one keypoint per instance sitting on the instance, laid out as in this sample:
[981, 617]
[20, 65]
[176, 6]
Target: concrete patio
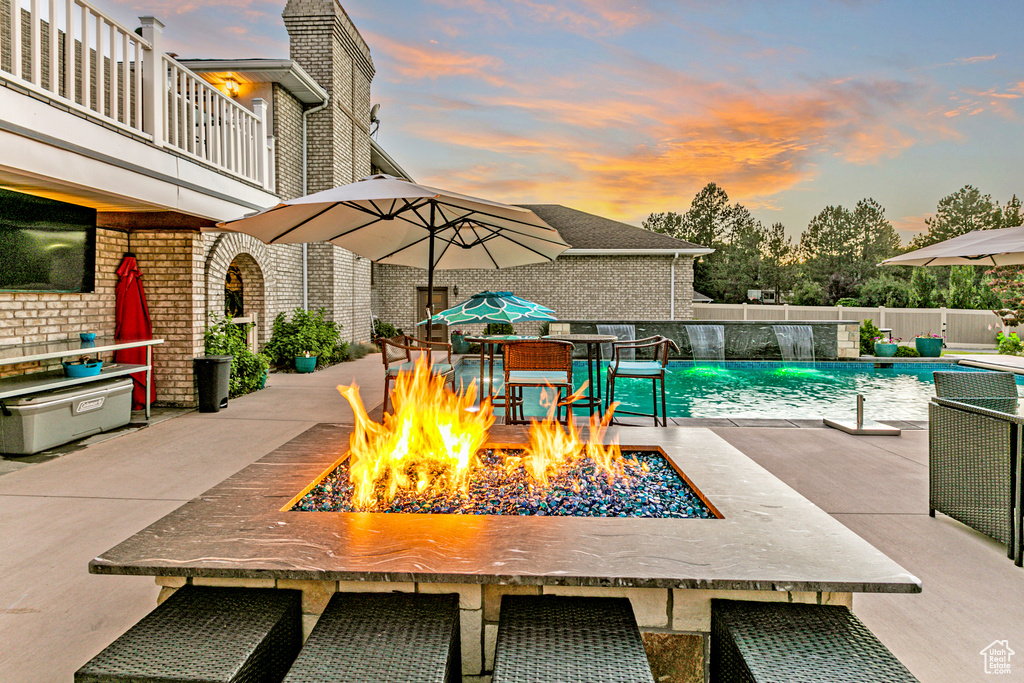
[61, 512]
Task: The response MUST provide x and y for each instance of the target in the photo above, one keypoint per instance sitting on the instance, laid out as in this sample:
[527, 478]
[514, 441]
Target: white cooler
[35, 422]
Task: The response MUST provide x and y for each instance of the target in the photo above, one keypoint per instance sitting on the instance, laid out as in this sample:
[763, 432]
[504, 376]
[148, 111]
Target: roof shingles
[585, 230]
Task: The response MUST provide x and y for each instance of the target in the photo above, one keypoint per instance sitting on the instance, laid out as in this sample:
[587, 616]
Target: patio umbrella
[1003, 247]
[131, 321]
[492, 307]
[389, 220]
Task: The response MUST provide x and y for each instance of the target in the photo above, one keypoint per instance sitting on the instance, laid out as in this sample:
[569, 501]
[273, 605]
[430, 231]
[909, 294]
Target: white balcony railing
[206, 125]
[77, 56]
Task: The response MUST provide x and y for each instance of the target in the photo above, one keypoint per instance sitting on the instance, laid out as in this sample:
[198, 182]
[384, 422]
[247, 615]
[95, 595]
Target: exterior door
[436, 332]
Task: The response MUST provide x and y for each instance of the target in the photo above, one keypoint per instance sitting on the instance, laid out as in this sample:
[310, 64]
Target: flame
[429, 443]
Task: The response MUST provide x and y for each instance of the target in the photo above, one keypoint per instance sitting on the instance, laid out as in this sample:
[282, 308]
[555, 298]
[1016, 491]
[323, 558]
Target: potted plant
[885, 347]
[305, 363]
[929, 345]
[459, 344]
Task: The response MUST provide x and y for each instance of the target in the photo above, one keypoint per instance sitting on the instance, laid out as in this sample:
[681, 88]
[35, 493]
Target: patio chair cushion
[437, 368]
[639, 367]
[536, 377]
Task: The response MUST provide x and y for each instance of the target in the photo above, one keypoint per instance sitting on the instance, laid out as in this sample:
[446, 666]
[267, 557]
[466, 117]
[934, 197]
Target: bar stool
[537, 363]
[653, 370]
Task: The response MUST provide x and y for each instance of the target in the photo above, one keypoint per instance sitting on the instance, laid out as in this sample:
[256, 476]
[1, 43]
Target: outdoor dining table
[593, 343]
[488, 343]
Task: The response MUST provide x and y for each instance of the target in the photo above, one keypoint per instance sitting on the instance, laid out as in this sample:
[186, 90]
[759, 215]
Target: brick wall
[288, 143]
[576, 287]
[173, 268]
[327, 45]
[30, 317]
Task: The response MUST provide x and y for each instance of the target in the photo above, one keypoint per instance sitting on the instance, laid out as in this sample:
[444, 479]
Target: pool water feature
[772, 389]
[796, 342]
[707, 342]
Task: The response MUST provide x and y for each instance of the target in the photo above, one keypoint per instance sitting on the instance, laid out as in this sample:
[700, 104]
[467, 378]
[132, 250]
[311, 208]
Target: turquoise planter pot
[459, 344]
[885, 349]
[303, 364]
[929, 347]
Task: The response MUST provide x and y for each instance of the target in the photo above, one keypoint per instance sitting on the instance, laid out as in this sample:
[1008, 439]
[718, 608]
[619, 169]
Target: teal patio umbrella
[492, 307]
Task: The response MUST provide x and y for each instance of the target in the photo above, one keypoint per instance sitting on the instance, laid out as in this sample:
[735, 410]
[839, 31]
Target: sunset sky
[626, 108]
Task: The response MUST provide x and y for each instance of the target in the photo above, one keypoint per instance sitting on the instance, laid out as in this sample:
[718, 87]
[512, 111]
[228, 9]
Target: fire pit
[647, 487]
[765, 542]
[423, 459]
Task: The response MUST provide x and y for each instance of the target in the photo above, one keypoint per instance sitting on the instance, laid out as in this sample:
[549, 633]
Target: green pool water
[771, 390]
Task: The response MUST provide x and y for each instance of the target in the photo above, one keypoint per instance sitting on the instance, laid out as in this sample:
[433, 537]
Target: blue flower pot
[83, 369]
[885, 349]
[304, 364]
[929, 347]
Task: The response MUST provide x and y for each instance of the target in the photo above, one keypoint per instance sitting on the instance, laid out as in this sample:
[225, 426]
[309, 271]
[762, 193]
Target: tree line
[835, 260]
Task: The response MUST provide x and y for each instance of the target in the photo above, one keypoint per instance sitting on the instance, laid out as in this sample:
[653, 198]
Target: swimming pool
[766, 389]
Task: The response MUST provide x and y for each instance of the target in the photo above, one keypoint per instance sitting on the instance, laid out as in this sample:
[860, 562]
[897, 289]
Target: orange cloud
[588, 17]
[975, 60]
[912, 225]
[626, 151]
[433, 62]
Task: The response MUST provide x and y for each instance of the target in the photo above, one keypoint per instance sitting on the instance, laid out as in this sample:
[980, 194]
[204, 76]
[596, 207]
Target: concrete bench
[568, 639]
[206, 635]
[773, 641]
[373, 637]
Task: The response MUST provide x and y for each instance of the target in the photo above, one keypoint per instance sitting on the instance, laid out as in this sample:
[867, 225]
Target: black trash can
[213, 375]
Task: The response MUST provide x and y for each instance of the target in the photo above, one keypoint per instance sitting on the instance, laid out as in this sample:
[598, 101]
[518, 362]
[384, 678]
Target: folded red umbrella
[131, 323]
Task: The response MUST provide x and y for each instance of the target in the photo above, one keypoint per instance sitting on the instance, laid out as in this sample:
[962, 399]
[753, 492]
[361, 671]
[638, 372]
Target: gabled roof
[591, 234]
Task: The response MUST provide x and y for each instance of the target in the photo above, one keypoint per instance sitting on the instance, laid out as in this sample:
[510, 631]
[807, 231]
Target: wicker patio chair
[974, 466]
[538, 363]
[400, 354]
[654, 369]
[975, 384]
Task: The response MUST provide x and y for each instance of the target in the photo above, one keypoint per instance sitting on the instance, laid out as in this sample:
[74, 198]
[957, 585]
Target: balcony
[92, 111]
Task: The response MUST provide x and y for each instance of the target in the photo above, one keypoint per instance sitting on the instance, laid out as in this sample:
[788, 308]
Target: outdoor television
[45, 245]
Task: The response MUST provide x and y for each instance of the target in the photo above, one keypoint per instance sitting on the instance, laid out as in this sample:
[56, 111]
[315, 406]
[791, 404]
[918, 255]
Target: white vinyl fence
[962, 328]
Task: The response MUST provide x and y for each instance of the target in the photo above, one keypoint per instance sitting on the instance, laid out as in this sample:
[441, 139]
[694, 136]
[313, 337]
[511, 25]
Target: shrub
[499, 328]
[306, 332]
[360, 349]
[1010, 345]
[848, 301]
[224, 338]
[886, 290]
[907, 352]
[868, 332]
[808, 293]
[383, 330]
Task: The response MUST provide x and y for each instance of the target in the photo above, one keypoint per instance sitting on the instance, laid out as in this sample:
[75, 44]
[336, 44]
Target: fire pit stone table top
[769, 537]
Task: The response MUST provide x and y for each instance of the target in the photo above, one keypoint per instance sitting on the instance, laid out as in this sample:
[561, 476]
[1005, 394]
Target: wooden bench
[374, 637]
[206, 635]
[569, 639]
[773, 641]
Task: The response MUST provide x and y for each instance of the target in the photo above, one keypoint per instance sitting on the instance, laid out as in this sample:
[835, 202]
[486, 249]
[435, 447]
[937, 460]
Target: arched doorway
[244, 295]
[240, 281]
